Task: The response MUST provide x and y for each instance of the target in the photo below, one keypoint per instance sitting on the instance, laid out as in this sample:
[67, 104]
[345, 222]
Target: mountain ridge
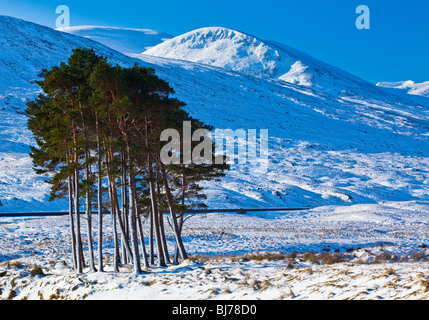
[409, 86]
[367, 147]
[250, 55]
[124, 40]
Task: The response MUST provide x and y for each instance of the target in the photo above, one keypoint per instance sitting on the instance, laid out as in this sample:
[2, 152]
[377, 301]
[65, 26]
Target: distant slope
[323, 150]
[410, 87]
[370, 147]
[418, 92]
[125, 40]
[25, 49]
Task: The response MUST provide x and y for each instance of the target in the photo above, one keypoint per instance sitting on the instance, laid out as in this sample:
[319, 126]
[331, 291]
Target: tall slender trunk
[115, 204]
[113, 215]
[79, 254]
[79, 251]
[161, 224]
[155, 221]
[176, 251]
[133, 214]
[144, 254]
[151, 235]
[155, 213]
[121, 223]
[161, 219]
[115, 232]
[173, 214]
[124, 211]
[99, 199]
[72, 228]
[140, 227]
[100, 227]
[163, 237]
[89, 216]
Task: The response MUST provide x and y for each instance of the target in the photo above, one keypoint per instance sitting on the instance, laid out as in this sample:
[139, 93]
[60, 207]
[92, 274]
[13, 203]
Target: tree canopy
[97, 128]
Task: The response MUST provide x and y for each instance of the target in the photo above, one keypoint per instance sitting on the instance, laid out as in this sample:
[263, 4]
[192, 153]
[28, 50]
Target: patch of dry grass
[253, 256]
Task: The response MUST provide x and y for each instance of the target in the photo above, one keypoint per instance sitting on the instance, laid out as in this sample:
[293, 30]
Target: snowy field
[358, 252]
[356, 153]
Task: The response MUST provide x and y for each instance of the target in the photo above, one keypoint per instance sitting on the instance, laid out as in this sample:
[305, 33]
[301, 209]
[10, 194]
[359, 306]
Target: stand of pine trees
[98, 128]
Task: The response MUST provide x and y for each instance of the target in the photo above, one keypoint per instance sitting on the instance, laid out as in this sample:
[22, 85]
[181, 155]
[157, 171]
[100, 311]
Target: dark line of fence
[64, 213]
[245, 210]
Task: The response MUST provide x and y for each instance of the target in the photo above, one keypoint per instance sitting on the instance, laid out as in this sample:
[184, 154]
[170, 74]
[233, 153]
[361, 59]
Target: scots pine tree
[98, 128]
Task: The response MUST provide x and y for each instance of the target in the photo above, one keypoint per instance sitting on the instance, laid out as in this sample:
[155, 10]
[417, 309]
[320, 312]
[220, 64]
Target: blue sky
[395, 48]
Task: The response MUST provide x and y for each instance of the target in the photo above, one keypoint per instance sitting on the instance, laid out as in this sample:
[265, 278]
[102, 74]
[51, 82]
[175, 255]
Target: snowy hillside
[323, 150]
[27, 48]
[417, 92]
[366, 148]
[125, 40]
[244, 53]
[410, 87]
[356, 153]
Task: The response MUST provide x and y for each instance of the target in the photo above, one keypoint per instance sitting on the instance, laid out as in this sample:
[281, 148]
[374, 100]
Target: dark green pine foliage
[98, 128]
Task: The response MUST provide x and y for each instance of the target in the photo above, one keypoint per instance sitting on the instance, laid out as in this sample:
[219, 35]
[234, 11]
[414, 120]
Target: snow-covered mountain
[224, 48]
[366, 147]
[410, 87]
[417, 92]
[244, 53]
[125, 40]
[27, 48]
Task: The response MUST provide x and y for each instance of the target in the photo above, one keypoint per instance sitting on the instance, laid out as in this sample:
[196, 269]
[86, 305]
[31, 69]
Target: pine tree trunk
[121, 223]
[89, 218]
[113, 215]
[155, 213]
[132, 215]
[115, 232]
[124, 211]
[72, 227]
[79, 254]
[145, 260]
[99, 201]
[151, 235]
[161, 220]
[173, 214]
[115, 204]
[161, 224]
[176, 251]
[163, 237]
[90, 240]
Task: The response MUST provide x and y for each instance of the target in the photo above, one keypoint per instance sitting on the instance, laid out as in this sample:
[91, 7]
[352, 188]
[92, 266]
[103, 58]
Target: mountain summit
[358, 145]
[247, 54]
[225, 48]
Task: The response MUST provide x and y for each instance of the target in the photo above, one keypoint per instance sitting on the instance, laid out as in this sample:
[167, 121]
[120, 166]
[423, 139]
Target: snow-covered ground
[356, 153]
[326, 253]
[355, 147]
